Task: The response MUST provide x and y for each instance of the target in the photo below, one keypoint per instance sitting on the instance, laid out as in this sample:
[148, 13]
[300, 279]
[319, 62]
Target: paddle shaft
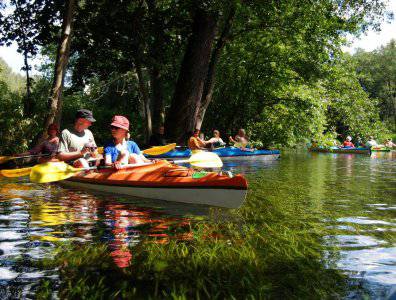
[28, 156]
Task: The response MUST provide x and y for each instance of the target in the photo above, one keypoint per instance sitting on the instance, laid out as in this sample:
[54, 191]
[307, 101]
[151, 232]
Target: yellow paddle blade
[100, 150]
[4, 159]
[16, 172]
[158, 150]
[52, 171]
[205, 160]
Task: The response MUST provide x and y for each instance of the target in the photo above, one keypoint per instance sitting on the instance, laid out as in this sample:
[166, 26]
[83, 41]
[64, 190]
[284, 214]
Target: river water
[353, 197]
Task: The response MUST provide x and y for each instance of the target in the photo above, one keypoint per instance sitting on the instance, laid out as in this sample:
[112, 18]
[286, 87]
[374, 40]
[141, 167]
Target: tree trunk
[210, 78]
[157, 98]
[156, 51]
[146, 102]
[62, 58]
[186, 101]
[28, 104]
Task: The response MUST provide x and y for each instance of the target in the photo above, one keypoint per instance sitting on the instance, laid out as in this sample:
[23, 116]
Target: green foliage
[280, 73]
[377, 72]
[300, 106]
[15, 82]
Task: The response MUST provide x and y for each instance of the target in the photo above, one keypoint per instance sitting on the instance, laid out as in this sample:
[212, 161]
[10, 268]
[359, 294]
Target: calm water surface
[352, 196]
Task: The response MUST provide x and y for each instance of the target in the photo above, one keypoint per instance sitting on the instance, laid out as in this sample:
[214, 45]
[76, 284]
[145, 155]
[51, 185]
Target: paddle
[153, 151]
[203, 160]
[56, 171]
[16, 172]
[4, 159]
[158, 150]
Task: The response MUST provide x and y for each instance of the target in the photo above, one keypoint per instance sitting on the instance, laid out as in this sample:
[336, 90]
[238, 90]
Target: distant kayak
[225, 153]
[352, 150]
[380, 149]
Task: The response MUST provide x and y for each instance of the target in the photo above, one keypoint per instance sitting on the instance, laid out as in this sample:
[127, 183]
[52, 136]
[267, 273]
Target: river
[352, 198]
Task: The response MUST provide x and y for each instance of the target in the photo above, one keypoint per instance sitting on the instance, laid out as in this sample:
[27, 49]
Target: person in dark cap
[78, 144]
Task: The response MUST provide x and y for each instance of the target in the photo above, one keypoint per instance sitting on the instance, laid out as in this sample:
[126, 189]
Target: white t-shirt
[216, 140]
[371, 143]
[72, 141]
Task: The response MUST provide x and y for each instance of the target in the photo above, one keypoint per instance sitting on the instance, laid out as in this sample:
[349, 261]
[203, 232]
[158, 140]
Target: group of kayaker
[77, 145]
[347, 143]
[370, 143]
[197, 141]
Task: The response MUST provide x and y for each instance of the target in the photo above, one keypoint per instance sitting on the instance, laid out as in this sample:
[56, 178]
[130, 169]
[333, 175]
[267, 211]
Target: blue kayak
[224, 153]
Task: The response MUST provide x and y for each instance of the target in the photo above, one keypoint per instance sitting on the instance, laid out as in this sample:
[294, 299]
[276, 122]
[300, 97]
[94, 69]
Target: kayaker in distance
[196, 143]
[49, 146]
[120, 151]
[388, 143]
[78, 144]
[241, 141]
[158, 139]
[240, 138]
[347, 143]
[216, 139]
[371, 142]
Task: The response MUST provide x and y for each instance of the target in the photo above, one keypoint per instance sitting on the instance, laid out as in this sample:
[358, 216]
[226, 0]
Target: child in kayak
[120, 151]
[347, 143]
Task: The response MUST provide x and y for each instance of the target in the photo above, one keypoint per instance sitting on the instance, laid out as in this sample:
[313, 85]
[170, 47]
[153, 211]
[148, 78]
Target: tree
[377, 75]
[62, 58]
[20, 27]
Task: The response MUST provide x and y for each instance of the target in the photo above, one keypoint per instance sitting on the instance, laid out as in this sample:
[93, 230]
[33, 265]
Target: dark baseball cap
[85, 114]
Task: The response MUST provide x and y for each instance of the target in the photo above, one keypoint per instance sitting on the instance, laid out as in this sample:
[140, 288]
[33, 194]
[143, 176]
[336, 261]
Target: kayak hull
[342, 150]
[204, 196]
[227, 153]
[164, 181]
[381, 150]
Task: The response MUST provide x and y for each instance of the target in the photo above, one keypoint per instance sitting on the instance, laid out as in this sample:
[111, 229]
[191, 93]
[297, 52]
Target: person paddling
[240, 140]
[48, 148]
[216, 140]
[348, 143]
[196, 143]
[371, 142]
[120, 151]
[77, 145]
[389, 143]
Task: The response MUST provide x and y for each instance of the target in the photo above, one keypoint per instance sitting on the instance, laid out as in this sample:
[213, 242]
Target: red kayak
[165, 181]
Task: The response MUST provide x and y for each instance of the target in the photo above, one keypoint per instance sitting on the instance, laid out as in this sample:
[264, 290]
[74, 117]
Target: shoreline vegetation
[218, 64]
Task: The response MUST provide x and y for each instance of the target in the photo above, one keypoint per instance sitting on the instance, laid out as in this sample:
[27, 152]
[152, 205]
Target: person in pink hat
[120, 151]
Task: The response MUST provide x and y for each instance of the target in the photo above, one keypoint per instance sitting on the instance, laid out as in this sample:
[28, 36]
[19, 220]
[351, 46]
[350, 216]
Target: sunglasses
[114, 128]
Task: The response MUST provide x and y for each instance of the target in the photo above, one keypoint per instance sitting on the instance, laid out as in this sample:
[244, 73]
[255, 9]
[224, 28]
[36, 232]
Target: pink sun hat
[120, 122]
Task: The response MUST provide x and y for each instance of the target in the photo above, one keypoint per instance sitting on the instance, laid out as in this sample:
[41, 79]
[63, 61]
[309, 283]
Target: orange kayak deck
[161, 174]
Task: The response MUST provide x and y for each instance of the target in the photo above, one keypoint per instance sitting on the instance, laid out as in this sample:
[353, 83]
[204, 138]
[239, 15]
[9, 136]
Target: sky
[370, 41]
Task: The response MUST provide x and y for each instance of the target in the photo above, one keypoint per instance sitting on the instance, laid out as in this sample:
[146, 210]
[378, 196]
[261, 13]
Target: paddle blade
[16, 172]
[158, 150]
[205, 160]
[52, 171]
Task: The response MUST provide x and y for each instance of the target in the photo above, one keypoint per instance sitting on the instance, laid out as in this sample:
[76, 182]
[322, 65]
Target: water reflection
[35, 218]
